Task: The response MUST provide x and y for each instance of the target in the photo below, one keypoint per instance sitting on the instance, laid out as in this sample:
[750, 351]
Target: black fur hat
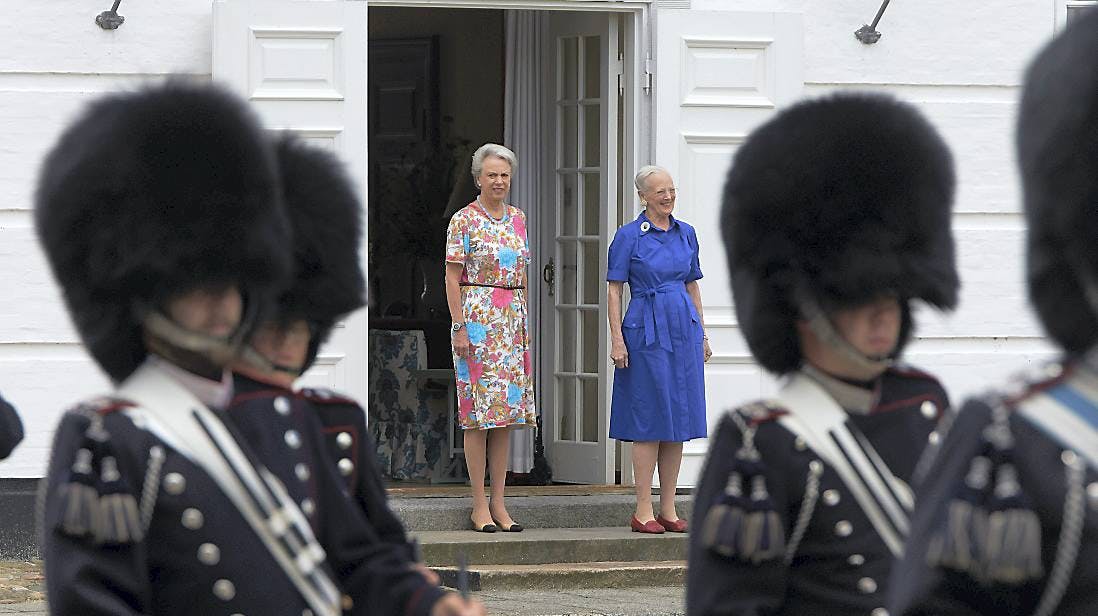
[1058, 155]
[325, 214]
[152, 193]
[841, 198]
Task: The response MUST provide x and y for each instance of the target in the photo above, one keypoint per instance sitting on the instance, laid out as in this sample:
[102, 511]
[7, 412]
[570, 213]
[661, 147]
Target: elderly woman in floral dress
[486, 258]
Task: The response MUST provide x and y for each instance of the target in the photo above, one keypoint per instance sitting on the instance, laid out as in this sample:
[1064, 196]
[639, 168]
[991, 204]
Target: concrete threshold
[568, 576]
[549, 545]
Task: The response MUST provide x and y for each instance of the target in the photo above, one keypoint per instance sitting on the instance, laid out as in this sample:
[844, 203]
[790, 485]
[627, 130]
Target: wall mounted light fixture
[868, 32]
[110, 20]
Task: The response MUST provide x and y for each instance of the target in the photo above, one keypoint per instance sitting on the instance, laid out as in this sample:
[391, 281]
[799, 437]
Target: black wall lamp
[110, 20]
[868, 32]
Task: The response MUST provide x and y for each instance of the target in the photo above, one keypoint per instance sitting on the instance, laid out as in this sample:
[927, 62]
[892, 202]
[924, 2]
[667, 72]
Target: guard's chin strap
[170, 337]
[220, 350]
[825, 331]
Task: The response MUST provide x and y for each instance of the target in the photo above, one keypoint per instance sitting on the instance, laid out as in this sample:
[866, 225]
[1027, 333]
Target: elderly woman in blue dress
[658, 348]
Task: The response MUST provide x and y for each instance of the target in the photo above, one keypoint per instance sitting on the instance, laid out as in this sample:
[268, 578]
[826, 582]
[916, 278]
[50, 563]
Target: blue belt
[656, 325]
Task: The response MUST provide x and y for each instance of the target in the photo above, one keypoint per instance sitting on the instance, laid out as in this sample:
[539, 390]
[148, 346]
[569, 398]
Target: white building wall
[53, 59]
[960, 63]
[963, 67]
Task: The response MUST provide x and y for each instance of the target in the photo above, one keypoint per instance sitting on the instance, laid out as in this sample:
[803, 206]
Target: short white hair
[643, 174]
[492, 149]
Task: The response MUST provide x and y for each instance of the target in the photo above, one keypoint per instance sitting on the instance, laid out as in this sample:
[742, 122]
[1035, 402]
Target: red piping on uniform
[1040, 386]
[255, 395]
[895, 404]
[116, 406]
[771, 417]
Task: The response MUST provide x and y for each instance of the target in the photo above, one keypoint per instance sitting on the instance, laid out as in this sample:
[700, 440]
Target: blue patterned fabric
[408, 416]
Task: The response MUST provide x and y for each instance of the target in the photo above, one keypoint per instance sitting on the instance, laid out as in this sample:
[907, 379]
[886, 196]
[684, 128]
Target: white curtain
[521, 129]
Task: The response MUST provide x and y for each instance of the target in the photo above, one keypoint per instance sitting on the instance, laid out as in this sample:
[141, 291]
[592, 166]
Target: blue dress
[661, 395]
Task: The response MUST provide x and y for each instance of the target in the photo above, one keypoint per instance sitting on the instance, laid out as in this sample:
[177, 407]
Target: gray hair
[645, 172]
[492, 149]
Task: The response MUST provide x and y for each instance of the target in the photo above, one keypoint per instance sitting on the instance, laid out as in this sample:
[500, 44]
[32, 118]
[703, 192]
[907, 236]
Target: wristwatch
[455, 327]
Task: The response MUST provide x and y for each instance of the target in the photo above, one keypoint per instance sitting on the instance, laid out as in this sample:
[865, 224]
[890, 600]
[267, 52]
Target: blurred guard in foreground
[315, 436]
[161, 215]
[11, 429]
[1007, 523]
[836, 220]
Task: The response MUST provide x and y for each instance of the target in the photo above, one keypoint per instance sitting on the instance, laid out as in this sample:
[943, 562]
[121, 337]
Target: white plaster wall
[53, 58]
[962, 65]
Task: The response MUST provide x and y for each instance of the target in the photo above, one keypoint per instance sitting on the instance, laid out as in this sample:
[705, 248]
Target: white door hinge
[647, 87]
[621, 74]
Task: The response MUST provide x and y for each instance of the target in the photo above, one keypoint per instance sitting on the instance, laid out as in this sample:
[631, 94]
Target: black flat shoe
[514, 528]
[487, 528]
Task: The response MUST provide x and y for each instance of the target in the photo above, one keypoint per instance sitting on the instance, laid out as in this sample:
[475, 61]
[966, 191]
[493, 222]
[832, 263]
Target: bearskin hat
[1057, 143]
[841, 198]
[152, 193]
[325, 214]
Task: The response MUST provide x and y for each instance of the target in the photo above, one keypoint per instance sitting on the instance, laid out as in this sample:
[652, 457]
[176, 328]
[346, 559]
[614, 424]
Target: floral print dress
[495, 385]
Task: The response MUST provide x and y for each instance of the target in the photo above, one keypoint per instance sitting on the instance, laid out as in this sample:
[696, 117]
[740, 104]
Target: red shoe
[677, 526]
[651, 527]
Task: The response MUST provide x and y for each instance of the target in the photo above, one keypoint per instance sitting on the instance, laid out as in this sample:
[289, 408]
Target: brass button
[856, 560]
[928, 409]
[843, 528]
[192, 519]
[1069, 458]
[293, 439]
[224, 589]
[174, 484]
[209, 554]
[831, 497]
[867, 585]
[345, 440]
[346, 467]
[302, 471]
[282, 405]
[308, 507]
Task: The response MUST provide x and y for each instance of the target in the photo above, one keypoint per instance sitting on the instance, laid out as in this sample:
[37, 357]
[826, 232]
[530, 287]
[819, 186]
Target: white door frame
[635, 105]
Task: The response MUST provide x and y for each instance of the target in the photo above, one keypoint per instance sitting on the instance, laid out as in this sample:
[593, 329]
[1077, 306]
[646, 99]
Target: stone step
[551, 511]
[538, 546]
[569, 576]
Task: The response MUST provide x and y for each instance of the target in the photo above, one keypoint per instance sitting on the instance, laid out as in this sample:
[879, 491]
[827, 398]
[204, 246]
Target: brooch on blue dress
[645, 226]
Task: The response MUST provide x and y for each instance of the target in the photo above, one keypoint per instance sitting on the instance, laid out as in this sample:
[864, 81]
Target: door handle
[549, 275]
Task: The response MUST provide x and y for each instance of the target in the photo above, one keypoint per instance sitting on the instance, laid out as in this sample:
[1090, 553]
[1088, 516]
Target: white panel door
[302, 65]
[718, 75]
[581, 114]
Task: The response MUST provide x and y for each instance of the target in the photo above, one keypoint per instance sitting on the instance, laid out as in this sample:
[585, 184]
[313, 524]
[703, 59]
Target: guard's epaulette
[760, 412]
[104, 405]
[1032, 381]
[743, 523]
[323, 395]
[95, 500]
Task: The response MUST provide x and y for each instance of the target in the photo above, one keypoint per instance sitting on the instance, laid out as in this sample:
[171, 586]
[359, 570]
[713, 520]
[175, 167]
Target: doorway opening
[547, 84]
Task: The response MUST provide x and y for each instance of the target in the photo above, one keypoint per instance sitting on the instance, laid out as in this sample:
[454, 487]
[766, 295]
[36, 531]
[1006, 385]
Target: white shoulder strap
[823, 424]
[1068, 414]
[175, 416]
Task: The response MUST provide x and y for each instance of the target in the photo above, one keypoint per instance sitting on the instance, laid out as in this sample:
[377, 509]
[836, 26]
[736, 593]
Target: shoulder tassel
[94, 499]
[991, 531]
[743, 523]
